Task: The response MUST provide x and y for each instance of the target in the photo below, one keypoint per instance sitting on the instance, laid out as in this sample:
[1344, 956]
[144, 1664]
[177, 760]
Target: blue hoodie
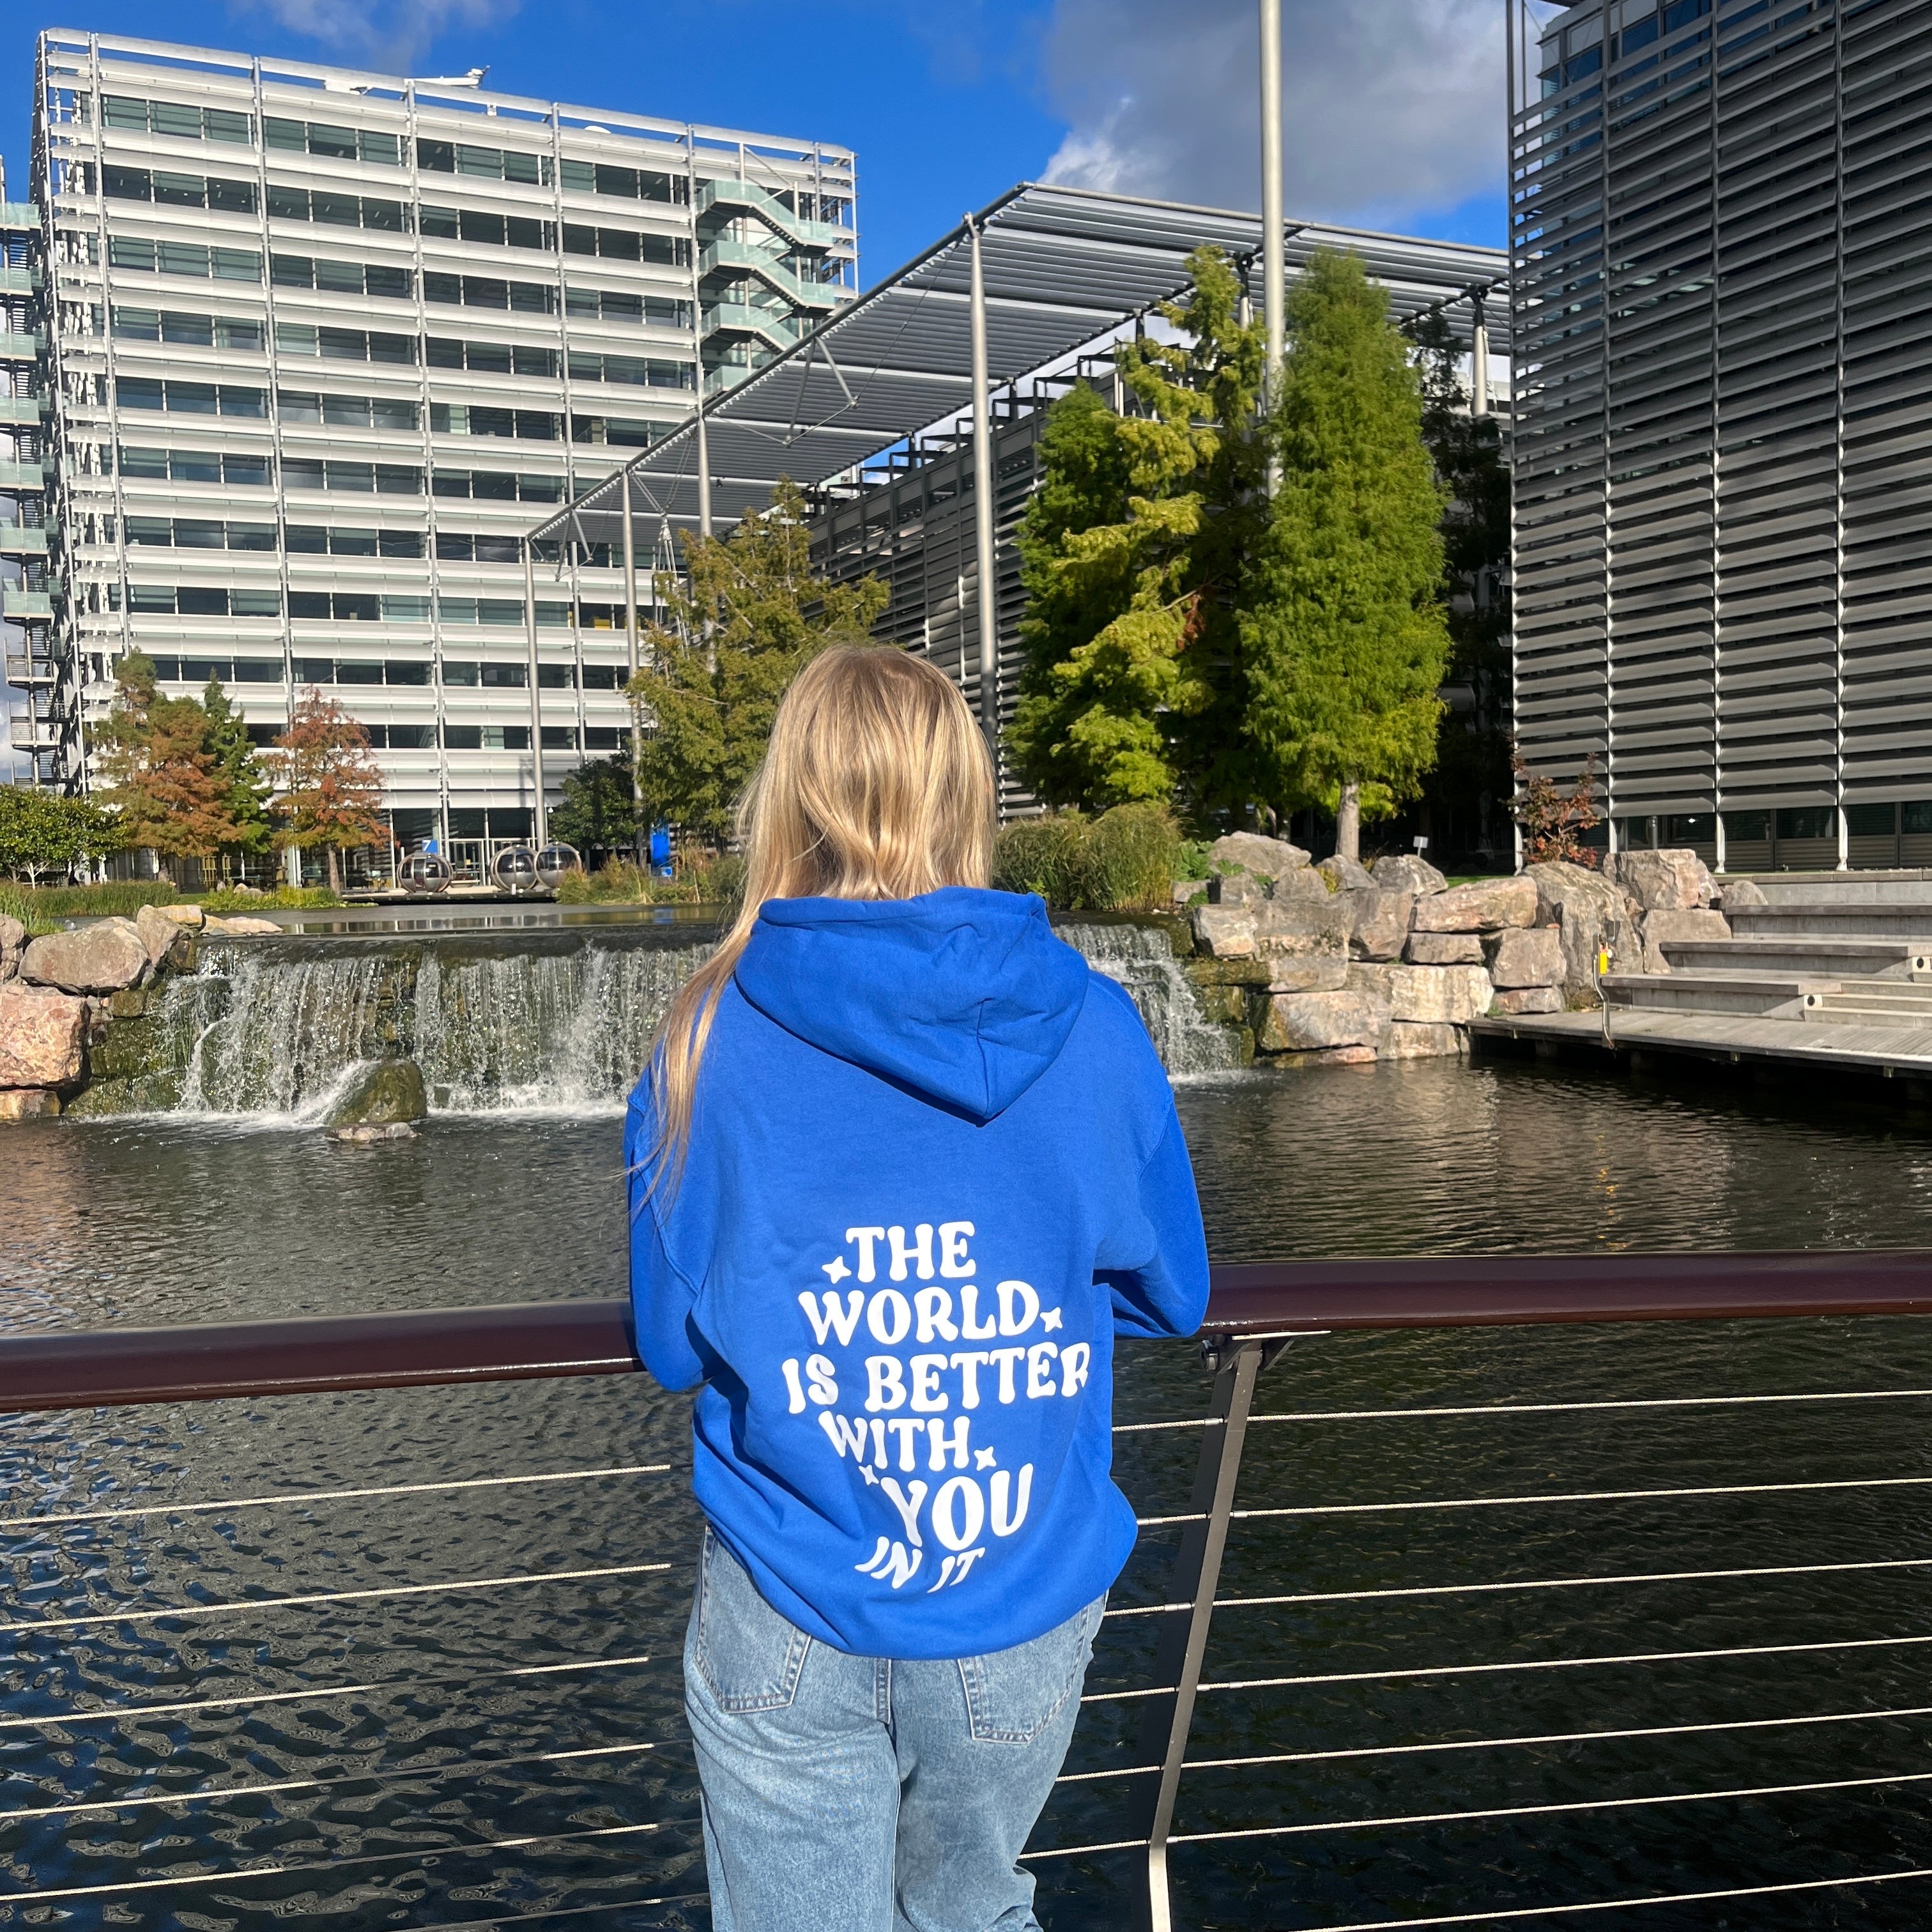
[934, 1169]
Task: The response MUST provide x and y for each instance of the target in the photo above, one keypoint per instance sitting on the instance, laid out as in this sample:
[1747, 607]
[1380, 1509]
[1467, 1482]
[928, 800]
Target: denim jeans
[863, 1794]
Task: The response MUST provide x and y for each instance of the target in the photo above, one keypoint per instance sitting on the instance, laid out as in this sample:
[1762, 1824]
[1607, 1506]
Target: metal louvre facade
[1720, 252]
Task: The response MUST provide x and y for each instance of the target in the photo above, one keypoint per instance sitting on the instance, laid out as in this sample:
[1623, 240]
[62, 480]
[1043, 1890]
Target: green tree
[746, 618]
[599, 812]
[238, 766]
[1132, 553]
[1346, 640]
[45, 832]
[166, 791]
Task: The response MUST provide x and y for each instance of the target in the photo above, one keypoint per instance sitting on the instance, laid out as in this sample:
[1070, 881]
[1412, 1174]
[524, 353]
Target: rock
[385, 1092]
[1486, 905]
[1378, 922]
[244, 927]
[1669, 923]
[1231, 972]
[13, 943]
[1533, 959]
[1249, 852]
[130, 1005]
[158, 933]
[1329, 1056]
[1224, 931]
[1676, 880]
[154, 1093]
[1186, 891]
[1405, 872]
[191, 917]
[42, 1036]
[1739, 893]
[1445, 948]
[1452, 995]
[1304, 942]
[396, 1130]
[101, 958]
[28, 1103]
[1588, 911]
[1345, 875]
[1298, 1020]
[1306, 882]
[1424, 1039]
[1529, 1000]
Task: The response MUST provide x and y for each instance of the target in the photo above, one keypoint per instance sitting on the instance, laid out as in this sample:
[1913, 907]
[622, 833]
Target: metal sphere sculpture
[424, 872]
[516, 868]
[553, 861]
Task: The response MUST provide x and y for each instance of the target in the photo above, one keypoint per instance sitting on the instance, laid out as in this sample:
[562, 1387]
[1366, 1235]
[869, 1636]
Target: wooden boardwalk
[1885, 1051]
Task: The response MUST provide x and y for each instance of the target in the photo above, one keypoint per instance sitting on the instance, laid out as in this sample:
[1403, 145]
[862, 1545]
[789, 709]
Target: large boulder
[1407, 872]
[1668, 923]
[1672, 880]
[1304, 941]
[190, 918]
[1740, 894]
[1484, 905]
[1224, 931]
[43, 1037]
[1532, 958]
[28, 1103]
[101, 958]
[1378, 922]
[1528, 1000]
[1424, 1039]
[1447, 995]
[1345, 875]
[1445, 948]
[1247, 866]
[158, 933]
[1588, 912]
[384, 1092]
[1299, 1022]
[242, 926]
[13, 943]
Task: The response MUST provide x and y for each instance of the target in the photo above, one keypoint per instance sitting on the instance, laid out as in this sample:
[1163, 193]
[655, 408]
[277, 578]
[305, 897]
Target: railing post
[1197, 1573]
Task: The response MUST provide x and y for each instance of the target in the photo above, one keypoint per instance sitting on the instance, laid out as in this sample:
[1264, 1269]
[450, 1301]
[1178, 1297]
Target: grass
[43, 908]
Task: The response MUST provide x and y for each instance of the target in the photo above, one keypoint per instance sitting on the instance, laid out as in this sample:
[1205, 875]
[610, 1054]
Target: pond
[395, 1740]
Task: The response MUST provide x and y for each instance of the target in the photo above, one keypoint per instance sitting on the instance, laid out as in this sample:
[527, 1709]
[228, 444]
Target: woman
[901, 1168]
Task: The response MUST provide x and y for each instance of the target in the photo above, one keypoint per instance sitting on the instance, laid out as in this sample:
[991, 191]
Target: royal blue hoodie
[934, 1169]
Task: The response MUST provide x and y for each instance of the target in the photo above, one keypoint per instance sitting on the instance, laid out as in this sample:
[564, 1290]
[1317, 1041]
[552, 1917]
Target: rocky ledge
[1340, 963]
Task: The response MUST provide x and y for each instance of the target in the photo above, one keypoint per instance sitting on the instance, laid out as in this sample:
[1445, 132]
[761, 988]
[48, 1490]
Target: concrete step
[1768, 995]
[1796, 956]
[1846, 919]
[1910, 887]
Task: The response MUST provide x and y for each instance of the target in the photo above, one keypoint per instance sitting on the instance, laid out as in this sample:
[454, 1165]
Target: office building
[317, 342]
[1721, 242]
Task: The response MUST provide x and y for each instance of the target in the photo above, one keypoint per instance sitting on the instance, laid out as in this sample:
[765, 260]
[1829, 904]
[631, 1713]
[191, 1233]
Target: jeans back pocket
[749, 1657]
[1011, 1696]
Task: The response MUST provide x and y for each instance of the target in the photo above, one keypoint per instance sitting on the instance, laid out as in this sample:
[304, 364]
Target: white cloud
[1391, 109]
[388, 36]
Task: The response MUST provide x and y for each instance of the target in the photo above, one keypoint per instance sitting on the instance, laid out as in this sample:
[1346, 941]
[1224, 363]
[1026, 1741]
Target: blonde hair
[876, 784]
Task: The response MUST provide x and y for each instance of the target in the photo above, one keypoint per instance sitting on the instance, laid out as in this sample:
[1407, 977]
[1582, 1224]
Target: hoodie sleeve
[661, 1300]
[1156, 1263]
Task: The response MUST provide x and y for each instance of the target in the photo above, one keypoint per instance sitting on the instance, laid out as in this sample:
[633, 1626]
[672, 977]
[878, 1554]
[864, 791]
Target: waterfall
[1141, 957]
[540, 1020]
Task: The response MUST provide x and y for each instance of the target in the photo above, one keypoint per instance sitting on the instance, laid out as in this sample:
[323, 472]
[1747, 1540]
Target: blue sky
[1394, 106]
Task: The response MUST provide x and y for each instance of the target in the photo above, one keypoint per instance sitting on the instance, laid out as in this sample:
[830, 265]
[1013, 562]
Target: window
[500, 611]
[198, 332]
[406, 737]
[454, 547]
[346, 144]
[627, 184]
[473, 419]
[177, 190]
[626, 244]
[183, 123]
[602, 677]
[1808, 822]
[304, 272]
[602, 738]
[287, 203]
[349, 672]
[196, 533]
[492, 359]
[382, 479]
[618, 432]
[344, 345]
[198, 601]
[184, 258]
[559, 738]
[496, 486]
[316, 540]
[484, 229]
[202, 399]
[639, 372]
[406, 609]
[482, 291]
[302, 406]
[556, 677]
[611, 305]
[455, 157]
[401, 673]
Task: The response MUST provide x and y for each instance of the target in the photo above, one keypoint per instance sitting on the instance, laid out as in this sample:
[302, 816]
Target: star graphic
[1050, 1320]
[982, 1459]
[865, 1470]
[835, 1271]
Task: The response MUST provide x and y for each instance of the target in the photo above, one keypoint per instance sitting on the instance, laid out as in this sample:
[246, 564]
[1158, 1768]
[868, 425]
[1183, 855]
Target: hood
[964, 996]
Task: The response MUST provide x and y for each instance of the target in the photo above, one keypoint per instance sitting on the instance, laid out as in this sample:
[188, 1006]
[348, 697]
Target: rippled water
[393, 1739]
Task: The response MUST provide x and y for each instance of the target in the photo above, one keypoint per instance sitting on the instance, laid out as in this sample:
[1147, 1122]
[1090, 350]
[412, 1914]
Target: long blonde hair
[876, 785]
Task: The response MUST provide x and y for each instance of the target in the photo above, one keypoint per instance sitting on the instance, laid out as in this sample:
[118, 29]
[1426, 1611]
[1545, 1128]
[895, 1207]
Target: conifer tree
[747, 617]
[1346, 641]
[328, 791]
[245, 785]
[1131, 553]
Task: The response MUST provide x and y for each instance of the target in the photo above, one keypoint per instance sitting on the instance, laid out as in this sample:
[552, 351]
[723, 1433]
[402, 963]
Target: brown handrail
[529, 1340]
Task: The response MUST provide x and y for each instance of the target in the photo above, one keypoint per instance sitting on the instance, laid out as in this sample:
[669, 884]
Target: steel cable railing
[1173, 1728]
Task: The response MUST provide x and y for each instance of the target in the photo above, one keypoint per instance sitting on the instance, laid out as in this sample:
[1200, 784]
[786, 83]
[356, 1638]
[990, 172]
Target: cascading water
[548, 1020]
[1141, 959]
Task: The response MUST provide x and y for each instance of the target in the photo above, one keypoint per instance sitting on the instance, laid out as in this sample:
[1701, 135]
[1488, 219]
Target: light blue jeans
[861, 1794]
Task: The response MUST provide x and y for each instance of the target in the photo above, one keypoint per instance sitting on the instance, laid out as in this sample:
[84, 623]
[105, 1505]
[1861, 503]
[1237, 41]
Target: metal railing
[1256, 1313]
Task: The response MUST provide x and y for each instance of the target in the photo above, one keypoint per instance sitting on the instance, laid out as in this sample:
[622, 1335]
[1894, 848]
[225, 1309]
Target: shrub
[50, 904]
[282, 899]
[1554, 822]
[1124, 860]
